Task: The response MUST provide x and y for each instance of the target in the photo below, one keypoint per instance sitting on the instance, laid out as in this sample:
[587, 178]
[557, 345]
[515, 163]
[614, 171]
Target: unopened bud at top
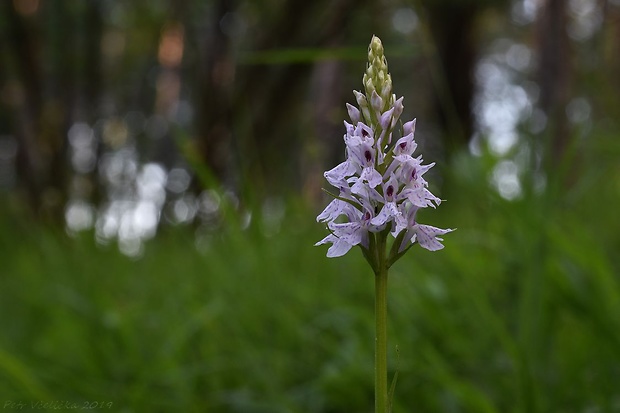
[376, 78]
[376, 47]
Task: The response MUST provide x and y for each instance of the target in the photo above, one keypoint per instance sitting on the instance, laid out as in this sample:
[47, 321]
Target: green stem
[381, 276]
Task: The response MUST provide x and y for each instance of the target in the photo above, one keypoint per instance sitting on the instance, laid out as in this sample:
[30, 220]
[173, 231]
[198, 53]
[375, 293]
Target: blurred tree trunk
[215, 89]
[59, 82]
[26, 100]
[91, 85]
[267, 91]
[554, 69]
[324, 147]
[41, 46]
[611, 55]
[172, 51]
[89, 99]
[249, 113]
[277, 91]
[452, 25]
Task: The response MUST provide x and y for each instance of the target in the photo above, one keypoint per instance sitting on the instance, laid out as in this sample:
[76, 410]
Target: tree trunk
[554, 70]
[452, 25]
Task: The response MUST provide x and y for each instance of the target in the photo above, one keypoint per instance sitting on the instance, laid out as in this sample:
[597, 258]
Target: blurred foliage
[192, 136]
[519, 313]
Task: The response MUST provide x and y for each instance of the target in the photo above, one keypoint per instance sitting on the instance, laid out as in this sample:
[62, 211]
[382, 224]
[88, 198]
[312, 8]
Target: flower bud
[377, 73]
[386, 118]
[378, 65]
[361, 99]
[376, 47]
[380, 80]
[354, 114]
[376, 102]
[386, 90]
[369, 87]
[398, 110]
[363, 104]
[409, 127]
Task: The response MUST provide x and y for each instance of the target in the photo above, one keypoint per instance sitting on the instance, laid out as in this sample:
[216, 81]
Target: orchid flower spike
[380, 186]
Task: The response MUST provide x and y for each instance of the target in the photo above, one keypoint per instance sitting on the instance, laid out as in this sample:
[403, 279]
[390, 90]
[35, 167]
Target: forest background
[161, 169]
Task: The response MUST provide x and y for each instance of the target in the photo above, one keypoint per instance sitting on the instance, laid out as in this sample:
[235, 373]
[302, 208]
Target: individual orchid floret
[390, 210]
[345, 236]
[405, 146]
[425, 235]
[333, 210]
[412, 172]
[362, 153]
[415, 185]
[337, 176]
[420, 197]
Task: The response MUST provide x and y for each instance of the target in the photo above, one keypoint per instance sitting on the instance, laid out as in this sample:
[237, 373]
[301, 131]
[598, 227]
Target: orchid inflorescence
[381, 185]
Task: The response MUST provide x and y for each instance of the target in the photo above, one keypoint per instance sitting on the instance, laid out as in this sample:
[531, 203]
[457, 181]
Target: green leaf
[393, 384]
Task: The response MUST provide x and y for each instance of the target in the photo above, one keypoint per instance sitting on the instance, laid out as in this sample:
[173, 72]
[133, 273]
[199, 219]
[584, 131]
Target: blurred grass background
[174, 271]
[518, 313]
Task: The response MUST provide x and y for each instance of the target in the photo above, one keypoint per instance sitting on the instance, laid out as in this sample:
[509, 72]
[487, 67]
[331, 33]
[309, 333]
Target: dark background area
[93, 93]
[161, 169]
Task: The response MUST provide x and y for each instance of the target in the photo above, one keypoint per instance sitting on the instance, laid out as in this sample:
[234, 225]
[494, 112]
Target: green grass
[519, 313]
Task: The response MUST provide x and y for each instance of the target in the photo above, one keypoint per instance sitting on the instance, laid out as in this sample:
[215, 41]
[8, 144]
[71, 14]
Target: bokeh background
[161, 169]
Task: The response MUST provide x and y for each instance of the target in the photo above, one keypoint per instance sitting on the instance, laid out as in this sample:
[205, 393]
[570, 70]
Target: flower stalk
[381, 279]
[380, 189]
